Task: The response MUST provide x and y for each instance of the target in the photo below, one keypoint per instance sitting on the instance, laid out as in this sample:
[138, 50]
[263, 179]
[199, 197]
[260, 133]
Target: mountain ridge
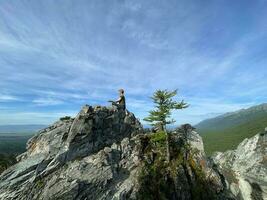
[227, 131]
[260, 107]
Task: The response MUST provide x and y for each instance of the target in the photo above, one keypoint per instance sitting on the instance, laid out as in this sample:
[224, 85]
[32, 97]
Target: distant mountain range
[29, 128]
[227, 131]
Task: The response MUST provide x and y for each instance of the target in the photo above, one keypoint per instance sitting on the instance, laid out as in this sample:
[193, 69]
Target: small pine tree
[164, 104]
[161, 115]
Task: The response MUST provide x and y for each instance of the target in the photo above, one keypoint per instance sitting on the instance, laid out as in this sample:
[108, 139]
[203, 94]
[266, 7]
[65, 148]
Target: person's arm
[119, 99]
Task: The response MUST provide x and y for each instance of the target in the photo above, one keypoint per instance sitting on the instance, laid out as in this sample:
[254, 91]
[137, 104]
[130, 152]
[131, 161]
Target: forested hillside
[227, 131]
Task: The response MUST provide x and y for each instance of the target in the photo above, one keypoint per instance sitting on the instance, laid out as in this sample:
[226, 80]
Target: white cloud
[7, 98]
[60, 95]
[51, 59]
[47, 102]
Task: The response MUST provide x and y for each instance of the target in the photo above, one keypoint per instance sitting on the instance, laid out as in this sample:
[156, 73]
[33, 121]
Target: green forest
[11, 145]
[224, 139]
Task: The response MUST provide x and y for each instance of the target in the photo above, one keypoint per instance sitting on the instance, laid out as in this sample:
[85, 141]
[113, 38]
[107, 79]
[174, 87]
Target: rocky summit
[103, 153]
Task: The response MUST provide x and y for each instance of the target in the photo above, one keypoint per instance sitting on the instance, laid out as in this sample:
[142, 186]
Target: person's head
[121, 91]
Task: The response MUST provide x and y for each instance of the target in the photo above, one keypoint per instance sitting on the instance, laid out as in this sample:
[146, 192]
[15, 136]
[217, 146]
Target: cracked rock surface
[245, 168]
[103, 154]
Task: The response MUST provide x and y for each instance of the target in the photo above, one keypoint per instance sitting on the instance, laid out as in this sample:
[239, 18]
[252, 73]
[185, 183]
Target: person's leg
[120, 107]
[114, 106]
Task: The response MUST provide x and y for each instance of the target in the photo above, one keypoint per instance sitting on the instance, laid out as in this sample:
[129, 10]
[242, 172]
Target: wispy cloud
[47, 102]
[54, 59]
[7, 98]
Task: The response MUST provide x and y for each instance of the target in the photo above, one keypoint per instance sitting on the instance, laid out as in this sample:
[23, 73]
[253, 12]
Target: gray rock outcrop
[73, 154]
[102, 154]
[245, 168]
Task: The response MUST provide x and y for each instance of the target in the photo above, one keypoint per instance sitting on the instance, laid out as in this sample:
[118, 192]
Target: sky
[57, 55]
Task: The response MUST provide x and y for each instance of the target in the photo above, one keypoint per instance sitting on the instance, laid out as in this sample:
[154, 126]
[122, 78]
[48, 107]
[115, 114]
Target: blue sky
[57, 55]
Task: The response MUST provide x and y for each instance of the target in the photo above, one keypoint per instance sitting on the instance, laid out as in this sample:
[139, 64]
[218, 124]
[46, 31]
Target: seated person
[121, 102]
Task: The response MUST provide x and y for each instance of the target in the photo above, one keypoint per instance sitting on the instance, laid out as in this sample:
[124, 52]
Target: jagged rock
[189, 134]
[103, 154]
[68, 142]
[245, 168]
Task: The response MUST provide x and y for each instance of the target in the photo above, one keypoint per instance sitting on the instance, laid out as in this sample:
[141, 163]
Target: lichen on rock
[188, 174]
